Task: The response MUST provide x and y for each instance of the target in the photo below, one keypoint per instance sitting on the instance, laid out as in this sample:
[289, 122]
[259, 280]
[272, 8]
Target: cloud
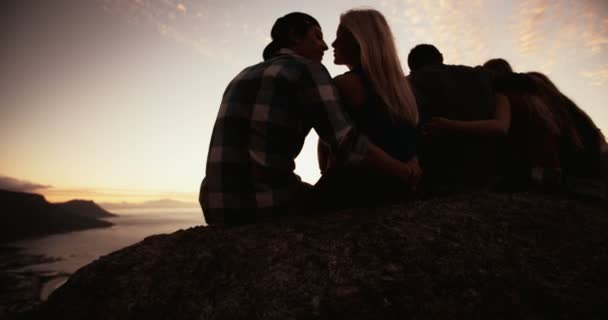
[214, 29]
[178, 21]
[597, 77]
[12, 184]
[447, 24]
[532, 16]
[596, 33]
[552, 33]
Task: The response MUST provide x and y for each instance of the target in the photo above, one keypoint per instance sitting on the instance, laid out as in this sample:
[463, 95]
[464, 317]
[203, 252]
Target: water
[77, 249]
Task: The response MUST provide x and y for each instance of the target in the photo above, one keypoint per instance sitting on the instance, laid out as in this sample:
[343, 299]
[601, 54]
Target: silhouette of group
[385, 136]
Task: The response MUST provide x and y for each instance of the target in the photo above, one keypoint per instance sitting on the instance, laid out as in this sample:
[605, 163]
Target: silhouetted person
[581, 141]
[266, 113]
[455, 159]
[583, 158]
[378, 98]
[532, 146]
[548, 133]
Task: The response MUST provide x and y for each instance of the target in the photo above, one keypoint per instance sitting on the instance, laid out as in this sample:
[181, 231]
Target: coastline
[31, 269]
[23, 289]
[51, 285]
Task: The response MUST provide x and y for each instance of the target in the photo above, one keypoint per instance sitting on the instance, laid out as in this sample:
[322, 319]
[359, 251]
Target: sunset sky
[115, 100]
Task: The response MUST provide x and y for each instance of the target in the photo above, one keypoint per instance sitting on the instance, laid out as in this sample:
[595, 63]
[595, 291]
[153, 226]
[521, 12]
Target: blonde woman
[376, 94]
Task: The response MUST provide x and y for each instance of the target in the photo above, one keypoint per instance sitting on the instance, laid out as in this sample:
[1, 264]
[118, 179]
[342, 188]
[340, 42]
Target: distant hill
[162, 203]
[86, 208]
[27, 215]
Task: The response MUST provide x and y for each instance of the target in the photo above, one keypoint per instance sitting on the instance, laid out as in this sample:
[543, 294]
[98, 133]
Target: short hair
[424, 55]
[498, 65]
[295, 23]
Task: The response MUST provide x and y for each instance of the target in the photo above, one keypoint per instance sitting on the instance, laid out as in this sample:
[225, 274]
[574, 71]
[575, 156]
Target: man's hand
[436, 126]
[408, 172]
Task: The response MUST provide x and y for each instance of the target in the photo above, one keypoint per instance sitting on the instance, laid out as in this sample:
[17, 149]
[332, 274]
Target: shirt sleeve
[321, 101]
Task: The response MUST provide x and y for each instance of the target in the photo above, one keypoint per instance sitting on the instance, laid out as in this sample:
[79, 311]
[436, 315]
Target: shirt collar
[287, 51]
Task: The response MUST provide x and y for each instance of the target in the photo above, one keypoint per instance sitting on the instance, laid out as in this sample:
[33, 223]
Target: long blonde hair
[380, 61]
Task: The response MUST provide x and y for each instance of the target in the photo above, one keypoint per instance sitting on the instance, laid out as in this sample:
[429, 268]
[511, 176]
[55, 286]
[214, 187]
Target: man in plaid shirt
[265, 115]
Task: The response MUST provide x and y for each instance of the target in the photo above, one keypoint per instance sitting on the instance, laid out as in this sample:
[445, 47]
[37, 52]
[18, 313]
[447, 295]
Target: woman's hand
[411, 173]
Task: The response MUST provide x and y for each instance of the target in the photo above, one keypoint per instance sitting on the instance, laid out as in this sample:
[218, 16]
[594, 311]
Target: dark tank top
[396, 137]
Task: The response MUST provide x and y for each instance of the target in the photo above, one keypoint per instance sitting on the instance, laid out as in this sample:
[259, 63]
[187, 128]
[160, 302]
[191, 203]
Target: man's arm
[323, 156]
[409, 172]
[498, 126]
[336, 129]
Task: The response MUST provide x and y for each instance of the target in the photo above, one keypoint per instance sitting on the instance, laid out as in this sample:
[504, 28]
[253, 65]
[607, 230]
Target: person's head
[498, 65]
[424, 55]
[299, 32]
[365, 40]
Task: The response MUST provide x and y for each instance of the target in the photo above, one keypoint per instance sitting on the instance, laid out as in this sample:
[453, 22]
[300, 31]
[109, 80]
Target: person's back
[266, 113]
[581, 140]
[396, 137]
[375, 91]
[455, 92]
[459, 93]
[582, 145]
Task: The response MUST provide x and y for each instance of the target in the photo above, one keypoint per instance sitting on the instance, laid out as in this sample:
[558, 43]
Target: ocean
[74, 250]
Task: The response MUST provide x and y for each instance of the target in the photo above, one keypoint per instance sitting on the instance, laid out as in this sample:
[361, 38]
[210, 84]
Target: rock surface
[480, 255]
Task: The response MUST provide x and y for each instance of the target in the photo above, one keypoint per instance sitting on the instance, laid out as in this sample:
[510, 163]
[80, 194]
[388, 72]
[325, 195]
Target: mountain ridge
[28, 215]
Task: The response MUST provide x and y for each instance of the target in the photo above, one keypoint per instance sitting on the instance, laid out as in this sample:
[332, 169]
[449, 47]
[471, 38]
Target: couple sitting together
[366, 119]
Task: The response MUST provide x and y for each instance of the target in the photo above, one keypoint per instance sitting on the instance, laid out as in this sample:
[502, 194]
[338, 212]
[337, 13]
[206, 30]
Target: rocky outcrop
[480, 255]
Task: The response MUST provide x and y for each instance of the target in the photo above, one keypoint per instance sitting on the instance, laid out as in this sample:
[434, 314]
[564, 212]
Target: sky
[115, 100]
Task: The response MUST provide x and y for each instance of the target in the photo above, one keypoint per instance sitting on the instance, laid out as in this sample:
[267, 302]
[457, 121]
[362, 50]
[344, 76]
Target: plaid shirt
[265, 115]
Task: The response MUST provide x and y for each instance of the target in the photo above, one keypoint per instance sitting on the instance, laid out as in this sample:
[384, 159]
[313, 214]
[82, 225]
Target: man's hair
[498, 65]
[287, 26]
[380, 61]
[424, 55]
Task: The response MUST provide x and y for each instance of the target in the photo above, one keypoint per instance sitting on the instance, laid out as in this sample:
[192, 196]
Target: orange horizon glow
[55, 195]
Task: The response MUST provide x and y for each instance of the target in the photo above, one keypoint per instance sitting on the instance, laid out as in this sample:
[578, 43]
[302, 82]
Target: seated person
[378, 98]
[265, 115]
[459, 158]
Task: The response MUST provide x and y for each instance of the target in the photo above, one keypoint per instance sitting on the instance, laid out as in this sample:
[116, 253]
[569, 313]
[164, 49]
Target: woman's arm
[498, 126]
[323, 156]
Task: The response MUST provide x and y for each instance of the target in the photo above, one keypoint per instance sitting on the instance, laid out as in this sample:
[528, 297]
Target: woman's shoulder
[352, 88]
[349, 78]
